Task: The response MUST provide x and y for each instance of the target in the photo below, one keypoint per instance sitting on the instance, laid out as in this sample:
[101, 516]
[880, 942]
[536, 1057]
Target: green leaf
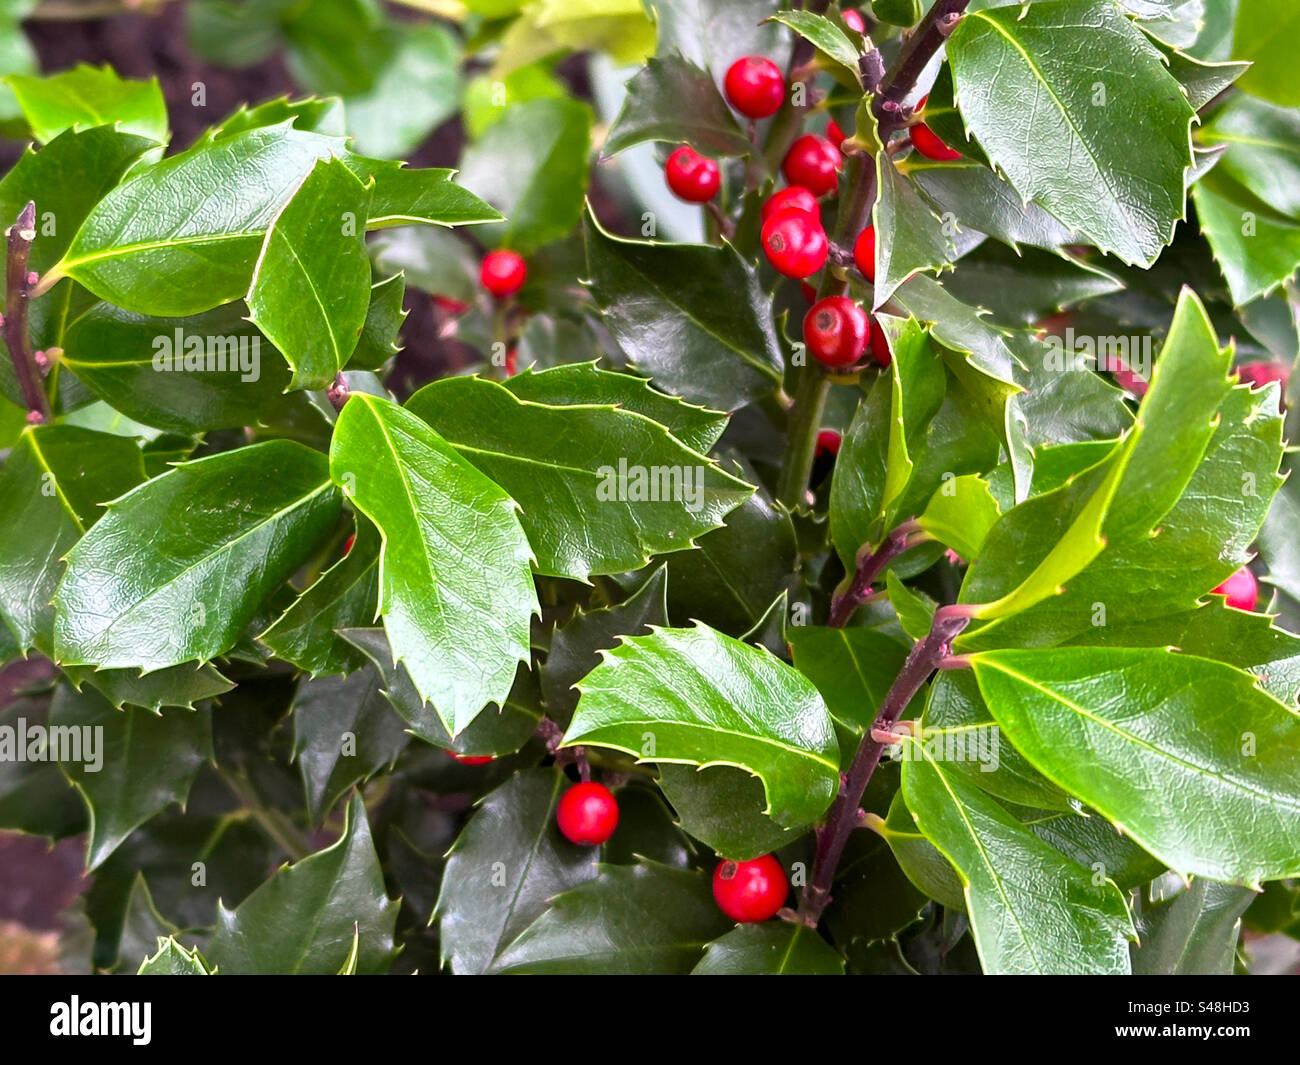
[774, 948]
[504, 868]
[314, 114]
[34, 796]
[599, 489]
[457, 619]
[51, 491]
[66, 179]
[1194, 933]
[724, 808]
[1121, 500]
[494, 734]
[693, 318]
[131, 763]
[311, 287]
[961, 514]
[1264, 32]
[1202, 82]
[210, 371]
[403, 197]
[1224, 804]
[172, 959]
[585, 383]
[487, 98]
[911, 239]
[532, 166]
[378, 341]
[644, 919]
[697, 697]
[714, 33]
[825, 35]
[344, 597]
[1263, 155]
[344, 732]
[177, 567]
[304, 918]
[1032, 910]
[1027, 84]
[671, 99]
[575, 645]
[151, 246]
[179, 686]
[853, 668]
[1256, 248]
[87, 96]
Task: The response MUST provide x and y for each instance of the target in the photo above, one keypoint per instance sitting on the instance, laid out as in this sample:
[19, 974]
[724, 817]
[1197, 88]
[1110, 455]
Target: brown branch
[18, 292]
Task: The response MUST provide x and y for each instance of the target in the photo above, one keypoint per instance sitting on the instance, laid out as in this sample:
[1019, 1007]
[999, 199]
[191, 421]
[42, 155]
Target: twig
[910, 64]
[924, 658]
[18, 291]
[870, 566]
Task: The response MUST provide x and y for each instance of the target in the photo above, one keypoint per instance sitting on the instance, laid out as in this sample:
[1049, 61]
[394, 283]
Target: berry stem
[910, 64]
[813, 386]
[18, 293]
[924, 658]
[856, 589]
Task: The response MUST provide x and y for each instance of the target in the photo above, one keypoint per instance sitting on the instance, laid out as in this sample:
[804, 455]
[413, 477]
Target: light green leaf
[87, 96]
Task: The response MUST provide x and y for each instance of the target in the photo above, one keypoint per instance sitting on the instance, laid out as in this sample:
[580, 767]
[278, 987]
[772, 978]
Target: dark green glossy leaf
[34, 796]
[504, 868]
[724, 808]
[378, 341]
[698, 697]
[177, 568]
[671, 99]
[853, 668]
[1192, 934]
[774, 948]
[438, 600]
[304, 918]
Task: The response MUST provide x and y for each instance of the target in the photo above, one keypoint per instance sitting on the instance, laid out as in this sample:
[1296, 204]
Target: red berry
[853, 20]
[347, 544]
[512, 361]
[692, 177]
[864, 252]
[814, 163]
[1259, 374]
[1241, 589]
[795, 243]
[754, 86]
[449, 306]
[750, 891]
[927, 142]
[795, 198]
[835, 330]
[828, 442]
[587, 814]
[470, 759]
[879, 345]
[808, 292]
[835, 135]
[502, 273]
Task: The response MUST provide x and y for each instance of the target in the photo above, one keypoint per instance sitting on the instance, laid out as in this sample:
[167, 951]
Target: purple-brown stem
[910, 64]
[18, 291]
[870, 566]
[924, 658]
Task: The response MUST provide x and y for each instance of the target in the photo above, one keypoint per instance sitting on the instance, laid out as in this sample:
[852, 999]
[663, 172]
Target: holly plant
[821, 533]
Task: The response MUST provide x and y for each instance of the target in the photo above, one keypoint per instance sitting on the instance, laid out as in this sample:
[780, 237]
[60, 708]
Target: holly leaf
[644, 918]
[303, 920]
[427, 196]
[131, 764]
[961, 514]
[1263, 29]
[773, 948]
[693, 318]
[1027, 85]
[911, 239]
[599, 489]
[87, 96]
[438, 600]
[53, 488]
[173, 959]
[344, 597]
[697, 697]
[1031, 909]
[344, 732]
[379, 333]
[532, 167]
[177, 567]
[724, 808]
[34, 796]
[1256, 247]
[585, 383]
[1194, 933]
[216, 374]
[311, 288]
[151, 246]
[672, 99]
[504, 868]
[575, 645]
[1225, 806]
[853, 668]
